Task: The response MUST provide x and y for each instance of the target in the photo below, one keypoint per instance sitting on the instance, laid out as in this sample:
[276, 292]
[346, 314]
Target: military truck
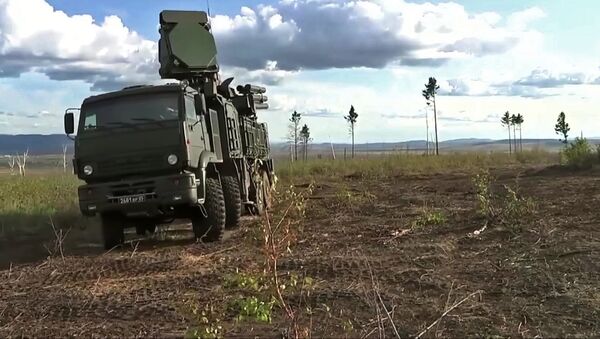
[192, 149]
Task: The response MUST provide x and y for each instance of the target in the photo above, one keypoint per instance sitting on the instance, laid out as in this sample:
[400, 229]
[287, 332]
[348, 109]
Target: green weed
[509, 208]
[429, 218]
[252, 308]
[207, 322]
[579, 154]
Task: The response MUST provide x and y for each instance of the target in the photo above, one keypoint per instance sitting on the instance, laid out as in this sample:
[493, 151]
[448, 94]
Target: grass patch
[398, 164]
[28, 204]
[429, 218]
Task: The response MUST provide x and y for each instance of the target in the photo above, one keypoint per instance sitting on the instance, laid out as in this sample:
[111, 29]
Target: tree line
[300, 136]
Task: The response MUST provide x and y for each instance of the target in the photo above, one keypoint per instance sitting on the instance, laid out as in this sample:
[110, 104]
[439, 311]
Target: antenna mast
[208, 12]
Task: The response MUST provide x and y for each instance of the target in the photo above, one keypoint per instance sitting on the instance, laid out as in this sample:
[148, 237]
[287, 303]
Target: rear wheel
[233, 201]
[266, 186]
[262, 194]
[210, 227]
[113, 232]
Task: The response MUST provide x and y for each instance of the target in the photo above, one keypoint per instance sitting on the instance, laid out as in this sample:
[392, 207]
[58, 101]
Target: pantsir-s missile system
[193, 149]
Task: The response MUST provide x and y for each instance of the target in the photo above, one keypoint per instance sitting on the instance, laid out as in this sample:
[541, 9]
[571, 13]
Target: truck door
[195, 128]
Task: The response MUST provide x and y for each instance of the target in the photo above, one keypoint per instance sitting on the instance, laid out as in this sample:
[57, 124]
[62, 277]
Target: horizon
[487, 57]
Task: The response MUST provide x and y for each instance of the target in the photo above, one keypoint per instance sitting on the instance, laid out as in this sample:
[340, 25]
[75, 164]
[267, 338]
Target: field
[471, 244]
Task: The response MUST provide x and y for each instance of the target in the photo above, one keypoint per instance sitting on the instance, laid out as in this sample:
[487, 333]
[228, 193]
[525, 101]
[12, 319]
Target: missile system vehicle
[191, 150]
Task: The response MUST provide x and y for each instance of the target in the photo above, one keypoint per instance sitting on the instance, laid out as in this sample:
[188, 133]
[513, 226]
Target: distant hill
[37, 144]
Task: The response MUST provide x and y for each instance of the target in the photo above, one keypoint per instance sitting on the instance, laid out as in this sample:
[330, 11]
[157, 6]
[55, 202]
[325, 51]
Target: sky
[319, 57]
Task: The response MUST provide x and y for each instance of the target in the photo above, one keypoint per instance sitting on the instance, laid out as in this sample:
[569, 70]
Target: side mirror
[69, 123]
[200, 103]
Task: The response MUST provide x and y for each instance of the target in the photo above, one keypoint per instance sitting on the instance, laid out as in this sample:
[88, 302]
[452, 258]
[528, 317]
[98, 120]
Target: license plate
[132, 199]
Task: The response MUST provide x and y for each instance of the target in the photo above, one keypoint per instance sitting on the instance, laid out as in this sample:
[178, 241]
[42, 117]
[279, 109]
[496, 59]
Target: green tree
[295, 122]
[351, 119]
[305, 135]
[430, 92]
[562, 128]
[506, 123]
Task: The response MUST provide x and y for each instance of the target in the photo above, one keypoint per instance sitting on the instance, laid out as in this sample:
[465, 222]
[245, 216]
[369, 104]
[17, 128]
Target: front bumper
[145, 197]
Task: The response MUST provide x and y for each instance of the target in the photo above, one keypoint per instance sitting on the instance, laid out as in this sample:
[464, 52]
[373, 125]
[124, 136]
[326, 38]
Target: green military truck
[187, 150]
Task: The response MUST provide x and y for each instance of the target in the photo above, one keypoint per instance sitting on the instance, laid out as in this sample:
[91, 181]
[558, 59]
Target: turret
[187, 49]
[187, 52]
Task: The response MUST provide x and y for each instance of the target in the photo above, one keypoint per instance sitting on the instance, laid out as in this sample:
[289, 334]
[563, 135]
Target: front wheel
[113, 232]
[210, 227]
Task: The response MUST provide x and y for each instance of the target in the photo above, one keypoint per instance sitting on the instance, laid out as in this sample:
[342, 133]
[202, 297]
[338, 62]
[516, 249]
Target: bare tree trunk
[295, 141]
[11, 164]
[437, 148]
[509, 141]
[65, 158]
[332, 150]
[305, 149]
[427, 128]
[515, 137]
[352, 140]
[520, 138]
[22, 162]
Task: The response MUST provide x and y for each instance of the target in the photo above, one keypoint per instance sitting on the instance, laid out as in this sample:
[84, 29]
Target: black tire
[113, 232]
[210, 228]
[233, 201]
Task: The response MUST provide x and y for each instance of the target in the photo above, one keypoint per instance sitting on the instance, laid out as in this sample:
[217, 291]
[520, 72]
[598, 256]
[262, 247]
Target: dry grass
[399, 164]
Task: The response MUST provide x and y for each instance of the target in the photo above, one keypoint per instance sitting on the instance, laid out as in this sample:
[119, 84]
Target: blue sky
[318, 57]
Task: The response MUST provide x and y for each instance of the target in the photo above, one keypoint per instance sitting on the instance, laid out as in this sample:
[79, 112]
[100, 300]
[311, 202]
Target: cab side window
[190, 109]
[89, 122]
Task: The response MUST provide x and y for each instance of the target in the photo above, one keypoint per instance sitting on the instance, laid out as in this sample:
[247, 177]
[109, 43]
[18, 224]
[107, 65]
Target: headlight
[172, 159]
[88, 170]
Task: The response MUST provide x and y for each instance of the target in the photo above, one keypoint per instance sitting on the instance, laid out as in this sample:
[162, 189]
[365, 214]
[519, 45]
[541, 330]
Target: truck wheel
[112, 230]
[210, 228]
[259, 201]
[267, 188]
[233, 201]
[262, 195]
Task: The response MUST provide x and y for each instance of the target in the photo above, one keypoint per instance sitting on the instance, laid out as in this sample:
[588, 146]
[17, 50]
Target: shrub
[579, 154]
[509, 209]
[429, 218]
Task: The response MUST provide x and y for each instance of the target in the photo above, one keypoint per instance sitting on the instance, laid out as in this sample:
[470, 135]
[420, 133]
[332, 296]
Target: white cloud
[521, 20]
[308, 34]
[36, 37]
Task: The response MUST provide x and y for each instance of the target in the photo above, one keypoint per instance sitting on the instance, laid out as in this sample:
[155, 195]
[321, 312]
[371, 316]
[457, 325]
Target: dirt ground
[374, 269]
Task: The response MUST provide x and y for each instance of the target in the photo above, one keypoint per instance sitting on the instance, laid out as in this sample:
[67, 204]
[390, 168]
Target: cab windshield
[130, 111]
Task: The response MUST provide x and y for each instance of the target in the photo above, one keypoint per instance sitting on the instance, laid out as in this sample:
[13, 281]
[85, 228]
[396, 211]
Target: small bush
[482, 183]
[515, 208]
[579, 154]
[429, 218]
[508, 209]
[253, 308]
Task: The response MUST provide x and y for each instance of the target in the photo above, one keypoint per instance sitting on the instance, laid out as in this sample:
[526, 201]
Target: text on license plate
[132, 199]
